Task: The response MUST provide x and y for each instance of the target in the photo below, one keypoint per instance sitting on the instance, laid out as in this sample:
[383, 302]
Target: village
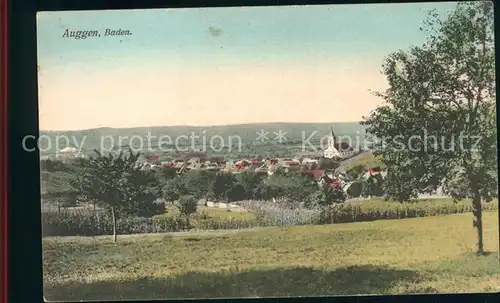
[323, 167]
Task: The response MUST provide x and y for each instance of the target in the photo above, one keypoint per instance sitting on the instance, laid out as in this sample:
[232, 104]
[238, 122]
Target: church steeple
[331, 151]
[331, 139]
[333, 134]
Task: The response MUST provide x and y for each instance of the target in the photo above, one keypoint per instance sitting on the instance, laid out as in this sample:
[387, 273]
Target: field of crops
[86, 222]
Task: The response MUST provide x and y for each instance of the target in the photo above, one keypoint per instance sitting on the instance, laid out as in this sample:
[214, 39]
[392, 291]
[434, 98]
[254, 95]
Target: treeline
[292, 187]
[221, 186]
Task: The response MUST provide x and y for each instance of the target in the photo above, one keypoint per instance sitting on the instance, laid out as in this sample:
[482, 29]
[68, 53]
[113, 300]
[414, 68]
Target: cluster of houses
[307, 163]
[337, 151]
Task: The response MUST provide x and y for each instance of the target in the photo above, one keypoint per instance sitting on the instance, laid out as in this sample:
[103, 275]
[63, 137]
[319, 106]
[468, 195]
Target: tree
[165, 173]
[355, 190]
[249, 180]
[187, 205]
[172, 189]
[221, 186]
[140, 191]
[118, 185]
[326, 196]
[439, 120]
[198, 183]
[236, 193]
[373, 186]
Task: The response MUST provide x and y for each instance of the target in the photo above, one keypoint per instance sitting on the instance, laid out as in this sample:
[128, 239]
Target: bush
[326, 196]
[355, 189]
[187, 205]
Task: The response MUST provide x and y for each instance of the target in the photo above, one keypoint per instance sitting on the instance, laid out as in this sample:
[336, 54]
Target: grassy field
[420, 255]
[206, 217]
[365, 159]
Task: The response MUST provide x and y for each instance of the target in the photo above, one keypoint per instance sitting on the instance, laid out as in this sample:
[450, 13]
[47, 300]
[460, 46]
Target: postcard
[280, 151]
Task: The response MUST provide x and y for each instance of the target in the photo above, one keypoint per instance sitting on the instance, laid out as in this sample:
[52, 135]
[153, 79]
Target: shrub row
[384, 210]
[88, 223]
[275, 214]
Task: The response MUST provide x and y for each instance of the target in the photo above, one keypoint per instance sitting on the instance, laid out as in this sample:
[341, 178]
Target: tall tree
[222, 185]
[249, 180]
[118, 185]
[164, 174]
[439, 120]
[197, 183]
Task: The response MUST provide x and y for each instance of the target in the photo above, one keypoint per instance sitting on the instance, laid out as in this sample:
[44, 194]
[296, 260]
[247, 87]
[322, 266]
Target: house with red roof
[322, 177]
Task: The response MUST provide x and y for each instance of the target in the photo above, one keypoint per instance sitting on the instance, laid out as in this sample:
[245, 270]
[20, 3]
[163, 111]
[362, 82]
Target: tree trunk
[113, 216]
[477, 211]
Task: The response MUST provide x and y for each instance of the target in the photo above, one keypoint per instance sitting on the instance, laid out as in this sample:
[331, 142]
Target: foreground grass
[421, 255]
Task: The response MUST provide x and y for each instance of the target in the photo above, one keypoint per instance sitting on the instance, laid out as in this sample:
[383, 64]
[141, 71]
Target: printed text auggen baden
[84, 34]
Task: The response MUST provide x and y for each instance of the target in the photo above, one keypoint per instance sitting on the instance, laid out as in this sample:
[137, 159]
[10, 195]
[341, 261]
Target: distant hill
[226, 138]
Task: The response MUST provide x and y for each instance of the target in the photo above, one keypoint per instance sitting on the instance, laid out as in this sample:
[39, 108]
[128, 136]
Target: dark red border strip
[3, 146]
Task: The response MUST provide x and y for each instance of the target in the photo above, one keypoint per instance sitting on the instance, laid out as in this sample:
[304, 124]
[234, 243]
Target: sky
[217, 66]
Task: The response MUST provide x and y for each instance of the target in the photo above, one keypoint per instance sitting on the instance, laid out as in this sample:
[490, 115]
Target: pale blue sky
[175, 40]
[265, 33]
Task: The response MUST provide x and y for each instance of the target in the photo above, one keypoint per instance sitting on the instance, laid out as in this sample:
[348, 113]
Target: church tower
[331, 139]
[331, 151]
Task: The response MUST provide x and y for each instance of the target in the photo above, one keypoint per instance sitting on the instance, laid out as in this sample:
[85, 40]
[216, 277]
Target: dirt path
[208, 233]
[215, 232]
